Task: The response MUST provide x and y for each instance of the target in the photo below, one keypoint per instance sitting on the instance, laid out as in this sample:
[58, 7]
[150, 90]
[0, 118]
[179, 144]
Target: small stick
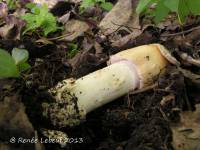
[182, 32]
[144, 89]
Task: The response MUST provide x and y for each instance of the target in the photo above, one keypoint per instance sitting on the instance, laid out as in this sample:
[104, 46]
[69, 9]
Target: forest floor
[163, 116]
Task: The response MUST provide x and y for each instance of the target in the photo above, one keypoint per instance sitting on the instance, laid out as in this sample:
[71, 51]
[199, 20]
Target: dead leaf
[12, 28]
[63, 19]
[122, 17]
[76, 28]
[44, 41]
[167, 99]
[3, 10]
[186, 134]
[190, 75]
[79, 59]
[14, 123]
[98, 49]
[122, 14]
[124, 40]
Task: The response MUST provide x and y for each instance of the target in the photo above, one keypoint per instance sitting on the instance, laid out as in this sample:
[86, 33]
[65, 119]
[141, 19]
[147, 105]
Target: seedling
[40, 18]
[103, 4]
[128, 70]
[72, 50]
[183, 8]
[12, 65]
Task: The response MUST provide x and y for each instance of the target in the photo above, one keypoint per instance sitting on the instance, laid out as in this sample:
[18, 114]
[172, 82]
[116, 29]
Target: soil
[136, 121]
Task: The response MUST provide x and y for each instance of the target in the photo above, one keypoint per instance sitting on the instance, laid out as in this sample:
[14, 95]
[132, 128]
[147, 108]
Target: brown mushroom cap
[149, 59]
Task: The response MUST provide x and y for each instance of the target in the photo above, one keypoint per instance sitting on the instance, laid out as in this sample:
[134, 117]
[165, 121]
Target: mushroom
[127, 70]
[149, 59]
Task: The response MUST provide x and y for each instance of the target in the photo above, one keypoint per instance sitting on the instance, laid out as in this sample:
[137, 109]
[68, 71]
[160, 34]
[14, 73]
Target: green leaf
[43, 9]
[28, 17]
[143, 4]
[183, 10]
[194, 6]
[7, 65]
[87, 3]
[30, 5]
[172, 4]
[23, 67]
[49, 29]
[31, 22]
[49, 24]
[20, 55]
[161, 11]
[11, 4]
[73, 50]
[107, 6]
[36, 11]
[40, 18]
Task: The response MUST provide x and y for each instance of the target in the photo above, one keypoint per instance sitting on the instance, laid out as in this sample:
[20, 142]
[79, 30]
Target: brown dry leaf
[12, 28]
[122, 14]
[193, 78]
[75, 28]
[167, 99]
[14, 123]
[186, 134]
[189, 39]
[3, 10]
[98, 49]
[63, 19]
[77, 61]
[190, 75]
[44, 41]
[5, 30]
[193, 36]
[124, 40]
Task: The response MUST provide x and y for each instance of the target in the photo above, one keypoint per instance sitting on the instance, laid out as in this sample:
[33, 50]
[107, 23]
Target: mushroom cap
[167, 54]
[150, 60]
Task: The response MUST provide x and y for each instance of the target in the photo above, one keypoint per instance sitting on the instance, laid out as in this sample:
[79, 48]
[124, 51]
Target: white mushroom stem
[102, 86]
[128, 70]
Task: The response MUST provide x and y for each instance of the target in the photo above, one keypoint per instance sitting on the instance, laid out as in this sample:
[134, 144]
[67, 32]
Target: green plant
[40, 18]
[73, 50]
[103, 4]
[12, 65]
[11, 4]
[183, 8]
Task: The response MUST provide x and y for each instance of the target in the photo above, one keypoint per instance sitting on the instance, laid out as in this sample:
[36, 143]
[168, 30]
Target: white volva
[103, 86]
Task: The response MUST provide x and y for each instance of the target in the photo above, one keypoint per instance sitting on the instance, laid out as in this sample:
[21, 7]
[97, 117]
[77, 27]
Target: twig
[182, 32]
[60, 37]
[163, 114]
[144, 89]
